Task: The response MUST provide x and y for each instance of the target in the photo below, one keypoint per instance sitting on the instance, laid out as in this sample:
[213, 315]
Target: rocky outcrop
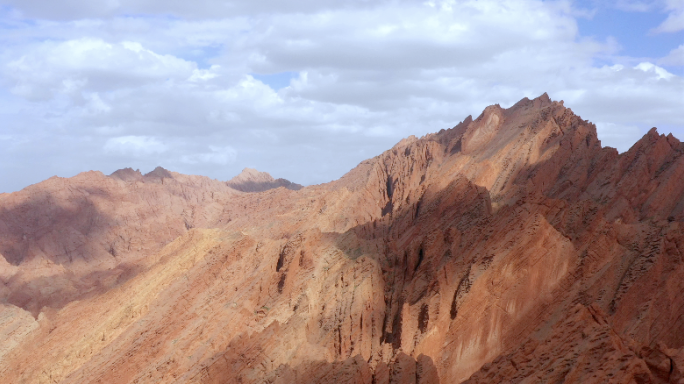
[127, 174]
[510, 248]
[158, 173]
[251, 180]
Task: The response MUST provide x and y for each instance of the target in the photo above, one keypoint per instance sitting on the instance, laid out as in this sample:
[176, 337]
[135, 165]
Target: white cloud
[675, 17]
[217, 155]
[626, 96]
[72, 66]
[659, 72]
[673, 23]
[203, 74]
[675, 57]
[618, 136]
[135, 146]
[411, 37]
[179, 92]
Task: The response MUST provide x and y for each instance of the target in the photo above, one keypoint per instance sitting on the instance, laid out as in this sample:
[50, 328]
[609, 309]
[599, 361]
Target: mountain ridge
[510, 248]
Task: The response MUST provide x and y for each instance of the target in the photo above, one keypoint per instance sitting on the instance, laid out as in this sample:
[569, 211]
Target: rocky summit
[512, 248]
[251, 180]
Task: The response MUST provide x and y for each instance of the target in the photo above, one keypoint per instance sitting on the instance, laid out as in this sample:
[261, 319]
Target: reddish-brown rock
[511, 248]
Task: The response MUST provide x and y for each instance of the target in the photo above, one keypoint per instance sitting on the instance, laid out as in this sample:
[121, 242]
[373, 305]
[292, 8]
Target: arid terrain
[512, 248]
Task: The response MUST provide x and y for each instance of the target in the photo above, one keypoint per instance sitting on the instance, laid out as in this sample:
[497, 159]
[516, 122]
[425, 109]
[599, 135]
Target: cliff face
[511, 248]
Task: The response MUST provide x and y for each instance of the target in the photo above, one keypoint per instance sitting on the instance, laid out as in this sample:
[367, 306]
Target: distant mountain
[512, 248]
[127, 174]
[251, 180]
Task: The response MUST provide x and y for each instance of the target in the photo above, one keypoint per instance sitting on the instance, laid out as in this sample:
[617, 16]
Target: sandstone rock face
[510, 248]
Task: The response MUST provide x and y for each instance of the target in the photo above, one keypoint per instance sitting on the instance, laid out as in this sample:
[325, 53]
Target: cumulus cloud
[675, 17]
[217, 155]
[675, 57]
[659, 72]
[135, 145]
[201, 92]
[72, 66]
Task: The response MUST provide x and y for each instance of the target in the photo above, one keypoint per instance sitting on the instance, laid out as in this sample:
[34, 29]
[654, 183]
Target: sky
[307, 89]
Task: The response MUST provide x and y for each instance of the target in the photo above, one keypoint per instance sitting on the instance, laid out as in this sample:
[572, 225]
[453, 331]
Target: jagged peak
[126, 174]
[453, 135]
[543, 101]
[159, 172]
[654, 139]
[648, 139]
[540, 102]
[251, 174]
[544, 97]
[252, 180]
[405, 142]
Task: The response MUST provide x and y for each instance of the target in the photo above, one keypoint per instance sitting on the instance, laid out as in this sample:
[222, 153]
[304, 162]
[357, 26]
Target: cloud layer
[302, 89]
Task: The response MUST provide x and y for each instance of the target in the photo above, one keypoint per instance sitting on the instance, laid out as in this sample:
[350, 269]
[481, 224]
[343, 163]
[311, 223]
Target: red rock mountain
[512, 248]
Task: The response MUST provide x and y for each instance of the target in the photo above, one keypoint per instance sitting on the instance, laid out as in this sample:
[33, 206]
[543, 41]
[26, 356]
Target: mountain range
[511, 248]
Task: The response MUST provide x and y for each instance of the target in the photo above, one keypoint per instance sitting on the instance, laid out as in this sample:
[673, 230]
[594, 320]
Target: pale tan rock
[251, 180]
[15, 325]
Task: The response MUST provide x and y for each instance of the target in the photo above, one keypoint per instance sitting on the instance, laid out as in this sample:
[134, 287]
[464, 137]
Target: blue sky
[307, 89]
[633, 29]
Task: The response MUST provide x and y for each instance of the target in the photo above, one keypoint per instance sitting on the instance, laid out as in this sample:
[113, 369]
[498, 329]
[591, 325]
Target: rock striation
[512, 248]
